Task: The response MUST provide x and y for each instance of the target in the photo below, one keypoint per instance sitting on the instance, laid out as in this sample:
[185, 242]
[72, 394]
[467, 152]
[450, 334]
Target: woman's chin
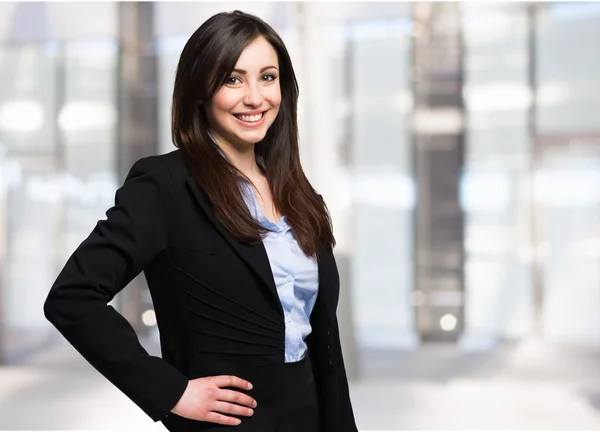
[252, 137]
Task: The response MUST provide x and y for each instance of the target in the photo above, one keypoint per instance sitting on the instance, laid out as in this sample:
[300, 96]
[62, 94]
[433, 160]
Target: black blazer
[215, 299]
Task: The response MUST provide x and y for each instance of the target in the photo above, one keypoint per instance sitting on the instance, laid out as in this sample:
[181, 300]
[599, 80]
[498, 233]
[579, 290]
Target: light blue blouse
[296, 277]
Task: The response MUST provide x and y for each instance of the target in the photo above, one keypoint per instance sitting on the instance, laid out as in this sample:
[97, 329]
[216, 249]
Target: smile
[250, 118]
[251, 121]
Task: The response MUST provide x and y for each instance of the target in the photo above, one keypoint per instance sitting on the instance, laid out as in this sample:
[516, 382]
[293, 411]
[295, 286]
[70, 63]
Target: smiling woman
[237, 249]
[246, 106]
[245, 69]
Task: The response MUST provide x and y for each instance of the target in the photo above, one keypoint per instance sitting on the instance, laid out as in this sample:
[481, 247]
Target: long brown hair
[207, 60]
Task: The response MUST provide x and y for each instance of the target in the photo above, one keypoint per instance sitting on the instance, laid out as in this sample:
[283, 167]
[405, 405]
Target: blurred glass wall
[529, 187]
[567, 169]
[57, 146]
[497, 99]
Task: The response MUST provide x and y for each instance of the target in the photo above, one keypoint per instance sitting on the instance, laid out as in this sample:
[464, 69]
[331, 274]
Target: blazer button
[329, 347]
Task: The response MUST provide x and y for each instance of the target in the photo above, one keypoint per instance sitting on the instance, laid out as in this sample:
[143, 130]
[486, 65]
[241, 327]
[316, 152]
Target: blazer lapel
[254, 255]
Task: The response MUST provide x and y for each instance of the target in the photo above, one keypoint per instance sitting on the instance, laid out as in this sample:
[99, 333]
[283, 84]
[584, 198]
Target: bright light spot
[82, 115]
[41, 189]
[497, 96]
[483, 27]
[485, 192]
[438, 121]
[21, 116]
[448, 322]
[149, 318]
[486, 21]
[391, 190]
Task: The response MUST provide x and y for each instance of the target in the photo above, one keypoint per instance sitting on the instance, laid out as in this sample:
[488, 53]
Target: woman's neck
[241, 157]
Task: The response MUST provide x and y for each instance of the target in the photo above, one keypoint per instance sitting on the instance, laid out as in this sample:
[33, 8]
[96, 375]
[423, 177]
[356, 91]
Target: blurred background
[457, 146]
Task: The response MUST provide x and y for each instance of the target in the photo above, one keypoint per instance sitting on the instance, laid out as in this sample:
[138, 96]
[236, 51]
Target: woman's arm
[117, 250]
[347, 423]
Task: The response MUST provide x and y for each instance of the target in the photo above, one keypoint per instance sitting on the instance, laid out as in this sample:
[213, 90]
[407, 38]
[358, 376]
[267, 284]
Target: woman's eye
[269, 77]
[232, 80]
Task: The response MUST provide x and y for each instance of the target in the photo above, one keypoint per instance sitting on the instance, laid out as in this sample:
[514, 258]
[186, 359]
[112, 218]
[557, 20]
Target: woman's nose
[253, 96]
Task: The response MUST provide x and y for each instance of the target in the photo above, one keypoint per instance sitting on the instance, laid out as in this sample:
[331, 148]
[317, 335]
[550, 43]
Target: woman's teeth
[249, 118]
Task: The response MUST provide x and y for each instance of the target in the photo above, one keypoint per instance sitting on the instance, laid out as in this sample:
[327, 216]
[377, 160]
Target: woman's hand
[205, 399]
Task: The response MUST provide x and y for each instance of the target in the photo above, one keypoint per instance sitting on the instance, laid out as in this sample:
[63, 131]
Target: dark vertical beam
[438, 146]
[137, 116]
[137, 85]
[537, 271]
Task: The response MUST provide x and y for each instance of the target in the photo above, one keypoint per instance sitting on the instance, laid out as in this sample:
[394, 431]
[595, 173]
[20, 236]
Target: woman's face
[244, 108]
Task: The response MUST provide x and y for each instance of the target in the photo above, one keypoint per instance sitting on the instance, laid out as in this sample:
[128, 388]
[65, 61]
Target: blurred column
[345, 259]
[3, 225]
[494, 192]
[438, 131]
[321, 156]
[137, 118]
[537, 271]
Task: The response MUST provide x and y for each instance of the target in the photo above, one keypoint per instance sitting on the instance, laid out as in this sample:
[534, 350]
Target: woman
[236, 247]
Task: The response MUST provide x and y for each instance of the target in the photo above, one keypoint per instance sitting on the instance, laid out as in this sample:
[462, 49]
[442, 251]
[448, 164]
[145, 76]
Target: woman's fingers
[229, 408]
[231, 381]
[210, 399]
[218, 418]
[235, 397]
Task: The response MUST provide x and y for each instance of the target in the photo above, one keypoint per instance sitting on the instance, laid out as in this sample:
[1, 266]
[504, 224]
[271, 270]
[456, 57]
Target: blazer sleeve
[118, 249]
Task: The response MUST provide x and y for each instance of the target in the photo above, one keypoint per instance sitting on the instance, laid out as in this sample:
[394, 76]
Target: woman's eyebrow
[243, 72]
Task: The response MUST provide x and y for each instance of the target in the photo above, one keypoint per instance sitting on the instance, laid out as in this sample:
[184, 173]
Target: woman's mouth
[251, 120]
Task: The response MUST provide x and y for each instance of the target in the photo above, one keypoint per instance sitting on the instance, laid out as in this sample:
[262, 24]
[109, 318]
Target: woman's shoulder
[166, 173]
[171, 162]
